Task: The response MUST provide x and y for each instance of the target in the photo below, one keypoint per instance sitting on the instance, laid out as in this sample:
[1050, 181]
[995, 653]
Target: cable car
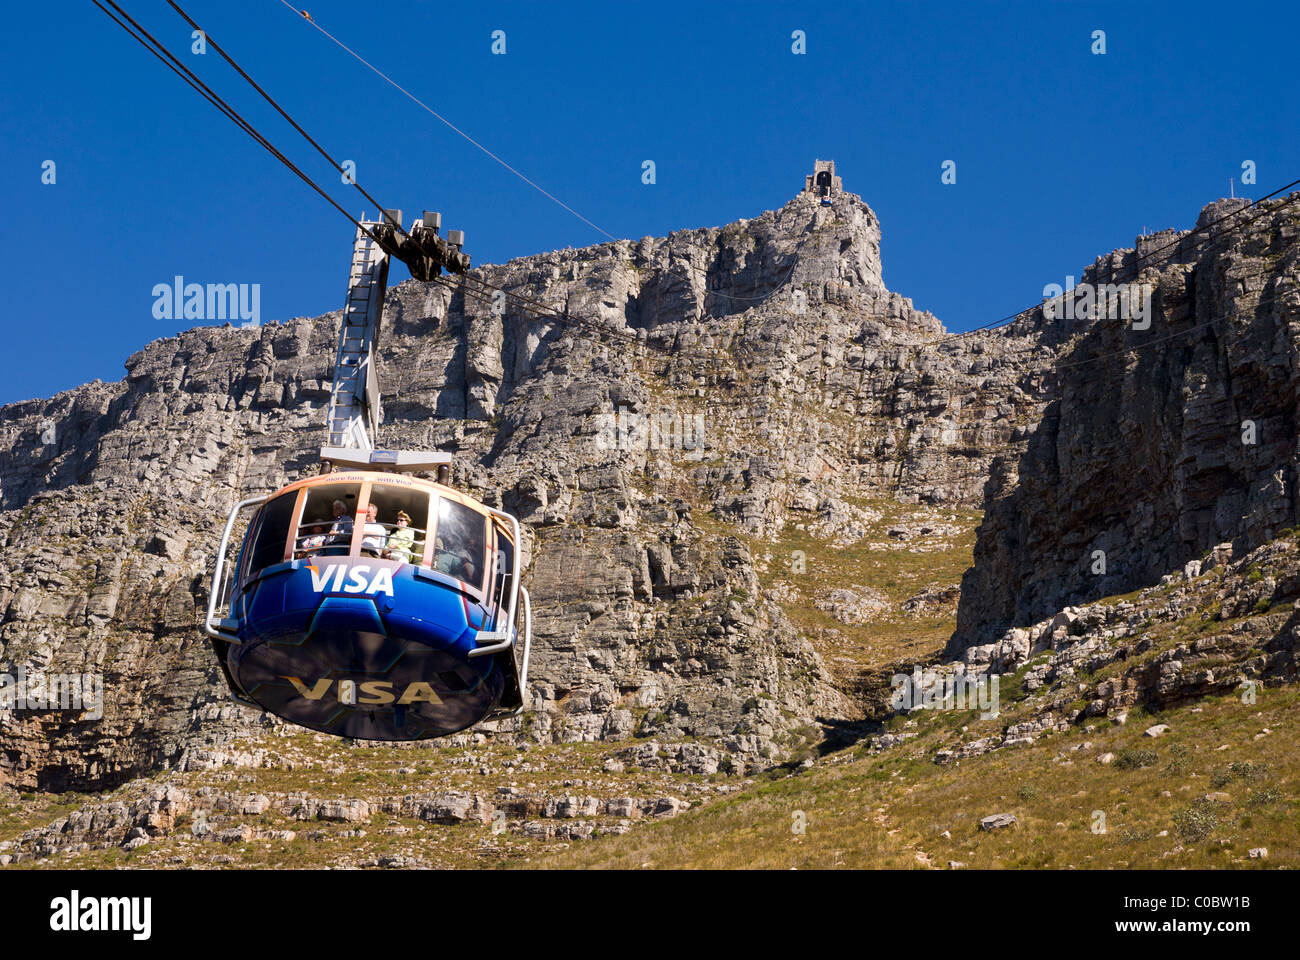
[373, 605]
[368, 602]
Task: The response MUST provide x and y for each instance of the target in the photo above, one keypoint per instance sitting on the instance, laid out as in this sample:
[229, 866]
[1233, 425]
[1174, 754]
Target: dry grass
[891, 809]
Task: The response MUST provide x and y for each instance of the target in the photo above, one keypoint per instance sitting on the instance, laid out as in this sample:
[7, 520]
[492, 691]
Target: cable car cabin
[373, 605]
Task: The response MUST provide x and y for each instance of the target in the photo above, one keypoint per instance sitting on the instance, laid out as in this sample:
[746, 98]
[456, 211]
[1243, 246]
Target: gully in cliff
[368, 602]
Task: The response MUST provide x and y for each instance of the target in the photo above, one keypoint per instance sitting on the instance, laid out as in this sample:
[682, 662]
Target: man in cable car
[452, 555]
[374, 535]
[340, 536]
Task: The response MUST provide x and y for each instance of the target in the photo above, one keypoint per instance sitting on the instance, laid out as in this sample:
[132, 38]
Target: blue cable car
[367, 602]
[373, 605]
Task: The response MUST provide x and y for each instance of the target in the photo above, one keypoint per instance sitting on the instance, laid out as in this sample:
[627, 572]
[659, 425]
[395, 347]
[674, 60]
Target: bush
[1196, 822]
[1136, 834]
[1135, 758]
[1247, 771]
[1180, 758]
[1263, 798]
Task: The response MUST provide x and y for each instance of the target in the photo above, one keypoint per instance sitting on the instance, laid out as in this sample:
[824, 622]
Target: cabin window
[503, 568]
[272, 532]
[328, 517]
[399, 529]
[460, 541]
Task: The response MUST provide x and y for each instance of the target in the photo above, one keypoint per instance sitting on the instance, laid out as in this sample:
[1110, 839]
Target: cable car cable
[212, 97]
[271, 100]
[448, 123]
[564, 317]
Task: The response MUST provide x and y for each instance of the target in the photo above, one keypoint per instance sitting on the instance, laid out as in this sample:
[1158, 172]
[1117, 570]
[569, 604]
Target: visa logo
[340, 578]
[367, 692]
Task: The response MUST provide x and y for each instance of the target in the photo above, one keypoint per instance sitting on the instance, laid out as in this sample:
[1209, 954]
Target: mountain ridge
[651, 569]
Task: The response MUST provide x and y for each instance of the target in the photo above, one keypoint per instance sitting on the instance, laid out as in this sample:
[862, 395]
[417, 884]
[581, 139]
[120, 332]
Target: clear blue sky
[1061, 154]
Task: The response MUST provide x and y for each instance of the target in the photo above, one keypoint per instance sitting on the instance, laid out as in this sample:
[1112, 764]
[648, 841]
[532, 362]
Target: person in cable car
[402, 540]
[457, 549]
[314, 540]
[374, 535]
[340, 535]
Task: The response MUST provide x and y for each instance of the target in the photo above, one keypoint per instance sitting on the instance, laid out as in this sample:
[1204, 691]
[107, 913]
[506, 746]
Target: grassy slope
[898, 570]
[891, 809]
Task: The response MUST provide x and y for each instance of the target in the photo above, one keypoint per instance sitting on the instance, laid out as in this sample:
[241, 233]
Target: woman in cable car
[373, 605]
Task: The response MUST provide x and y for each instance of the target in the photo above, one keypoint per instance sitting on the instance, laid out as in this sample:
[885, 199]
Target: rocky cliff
[818, 390]
[1160, 440]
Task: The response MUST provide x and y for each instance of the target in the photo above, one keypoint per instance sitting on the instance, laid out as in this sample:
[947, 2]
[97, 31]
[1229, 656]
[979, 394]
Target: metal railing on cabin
[224, 571]
[313, 538]
[502, 636]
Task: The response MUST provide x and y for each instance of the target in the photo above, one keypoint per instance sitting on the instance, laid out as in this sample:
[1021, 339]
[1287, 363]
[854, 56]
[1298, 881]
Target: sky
[1061, 153]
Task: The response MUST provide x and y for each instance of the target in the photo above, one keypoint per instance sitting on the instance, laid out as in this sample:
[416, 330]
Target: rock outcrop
[1157, 444]
[813, 384]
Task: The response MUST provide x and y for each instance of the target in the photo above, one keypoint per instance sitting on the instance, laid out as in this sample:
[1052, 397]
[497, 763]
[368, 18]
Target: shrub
[1263, 798]
[1180, 758]
[1135, 758]
[1196, 822]
[1250, 772]
[1136, 834]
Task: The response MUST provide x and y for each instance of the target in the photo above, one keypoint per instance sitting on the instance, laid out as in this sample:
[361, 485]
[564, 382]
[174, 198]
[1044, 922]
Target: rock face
[698, 394]
[786, 376]
[1158, 448]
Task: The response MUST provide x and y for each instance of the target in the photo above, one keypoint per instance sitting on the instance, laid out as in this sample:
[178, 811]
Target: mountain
[840, 489]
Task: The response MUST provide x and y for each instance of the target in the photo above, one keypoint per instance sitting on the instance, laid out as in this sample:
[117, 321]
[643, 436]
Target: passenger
[458, 546]
[374, 536]
[401, 541]
[342, 526]
[340, 535]
[470, 559]
[455, 562]
[313, 540]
